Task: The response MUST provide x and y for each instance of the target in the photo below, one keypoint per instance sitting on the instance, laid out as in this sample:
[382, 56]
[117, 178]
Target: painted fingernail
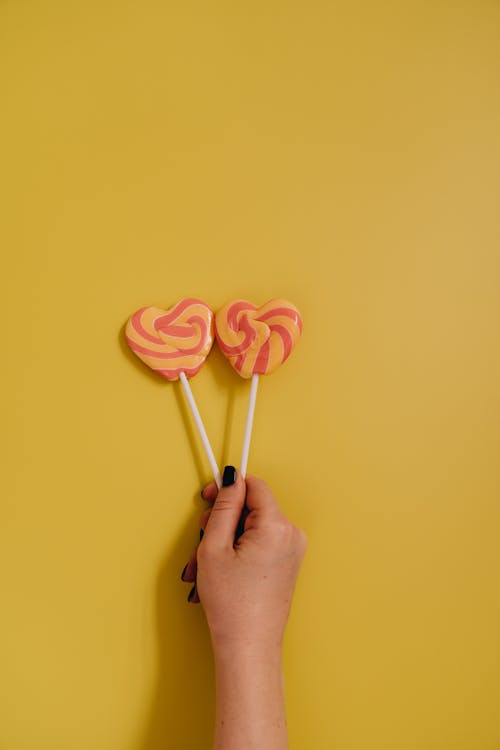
[229, 476]
[240, 529]
[191, 592]
[183, 571]
[202, 534]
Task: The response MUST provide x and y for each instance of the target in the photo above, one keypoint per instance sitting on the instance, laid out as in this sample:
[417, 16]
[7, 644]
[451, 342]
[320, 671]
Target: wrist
[250, 707]
[240, 652]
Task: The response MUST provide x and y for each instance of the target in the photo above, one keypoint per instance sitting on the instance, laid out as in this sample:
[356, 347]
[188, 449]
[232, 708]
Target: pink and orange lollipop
[256, 341]
[175, 343]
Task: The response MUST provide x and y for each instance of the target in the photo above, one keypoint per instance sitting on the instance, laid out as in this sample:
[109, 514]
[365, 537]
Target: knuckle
[208, 552]
[282, 526]
[257, 484]
[223, 503]
[301, 539]
[204, 518]
[203, 553]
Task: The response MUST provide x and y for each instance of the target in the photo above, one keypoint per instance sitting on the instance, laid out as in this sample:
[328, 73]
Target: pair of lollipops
[175, 343]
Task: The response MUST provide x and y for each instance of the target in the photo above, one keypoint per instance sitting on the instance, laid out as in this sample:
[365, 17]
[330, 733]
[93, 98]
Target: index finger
[259, 497]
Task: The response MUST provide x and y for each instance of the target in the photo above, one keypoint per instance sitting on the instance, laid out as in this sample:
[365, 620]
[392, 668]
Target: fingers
[226, 511]
[224, 522]
[188, 575]
[204, 518]
[209, 493]
[259, 497]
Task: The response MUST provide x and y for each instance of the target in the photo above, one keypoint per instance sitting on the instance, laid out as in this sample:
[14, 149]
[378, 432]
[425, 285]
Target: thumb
[226, 511]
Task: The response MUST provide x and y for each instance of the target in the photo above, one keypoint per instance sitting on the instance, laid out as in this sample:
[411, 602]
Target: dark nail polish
[202, 534]
[229, 476]
[191, 592]
[240, 529]
[184, 570]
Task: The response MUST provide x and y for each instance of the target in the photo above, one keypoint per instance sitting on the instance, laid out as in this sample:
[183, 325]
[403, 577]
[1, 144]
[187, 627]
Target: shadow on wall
[183, 707]
[182, 711]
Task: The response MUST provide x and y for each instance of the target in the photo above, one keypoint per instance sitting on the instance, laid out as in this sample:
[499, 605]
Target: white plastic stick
[201, 428]
[249, 424]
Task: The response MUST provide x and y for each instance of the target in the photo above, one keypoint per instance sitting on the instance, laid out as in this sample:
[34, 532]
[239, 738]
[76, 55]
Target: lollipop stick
[248, 427]
[201, 428]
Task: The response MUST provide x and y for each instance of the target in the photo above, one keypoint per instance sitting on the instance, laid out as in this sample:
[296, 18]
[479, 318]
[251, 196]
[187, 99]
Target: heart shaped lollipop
[175, 343]
[172, 341]
[256, 341]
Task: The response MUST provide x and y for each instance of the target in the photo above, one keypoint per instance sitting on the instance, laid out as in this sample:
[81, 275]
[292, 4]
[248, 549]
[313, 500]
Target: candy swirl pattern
[257, 340]
[172, 341]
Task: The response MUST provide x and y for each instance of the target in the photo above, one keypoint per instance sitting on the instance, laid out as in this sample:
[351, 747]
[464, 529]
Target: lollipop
[256, 341]
[175, 343]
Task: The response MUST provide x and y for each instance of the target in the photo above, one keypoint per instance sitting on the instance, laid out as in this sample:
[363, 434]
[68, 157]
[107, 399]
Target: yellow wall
[346, 156]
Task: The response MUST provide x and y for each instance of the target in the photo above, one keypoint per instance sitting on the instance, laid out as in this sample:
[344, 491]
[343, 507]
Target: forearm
[250, 702]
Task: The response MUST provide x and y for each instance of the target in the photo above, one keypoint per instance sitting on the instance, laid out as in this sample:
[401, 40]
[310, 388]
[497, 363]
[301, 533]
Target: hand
[246, 587]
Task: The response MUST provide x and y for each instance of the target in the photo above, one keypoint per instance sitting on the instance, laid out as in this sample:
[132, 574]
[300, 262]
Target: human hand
[245, 586]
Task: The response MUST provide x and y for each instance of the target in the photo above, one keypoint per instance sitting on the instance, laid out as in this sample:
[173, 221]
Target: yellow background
[343, 155]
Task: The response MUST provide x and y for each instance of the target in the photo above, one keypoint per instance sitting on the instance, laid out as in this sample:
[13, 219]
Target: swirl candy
[175, 343]
[257, 340]
[172, 341]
